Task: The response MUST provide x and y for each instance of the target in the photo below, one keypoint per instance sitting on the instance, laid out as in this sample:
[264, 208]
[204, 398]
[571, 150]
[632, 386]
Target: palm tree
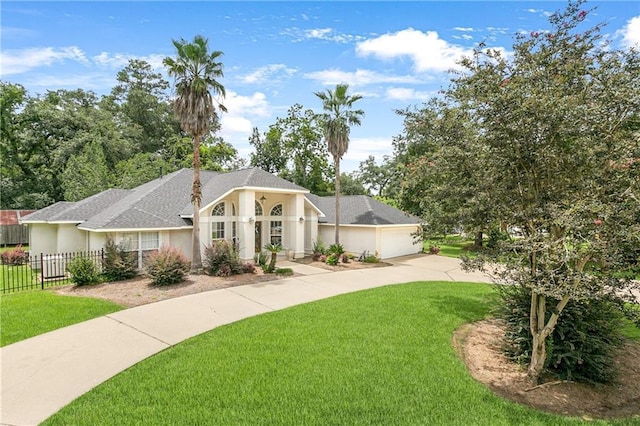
[196, 71]
[336, 120]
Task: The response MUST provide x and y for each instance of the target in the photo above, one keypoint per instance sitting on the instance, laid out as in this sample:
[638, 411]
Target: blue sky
[276, 54]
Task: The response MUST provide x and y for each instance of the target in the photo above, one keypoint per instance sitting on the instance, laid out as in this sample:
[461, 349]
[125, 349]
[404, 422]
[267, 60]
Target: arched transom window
[218, 210]
[258, 209]
[217, 227]
[276, 210]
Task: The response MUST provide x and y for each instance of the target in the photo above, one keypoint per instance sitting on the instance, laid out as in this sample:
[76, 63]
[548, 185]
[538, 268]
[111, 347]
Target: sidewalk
[43, 374]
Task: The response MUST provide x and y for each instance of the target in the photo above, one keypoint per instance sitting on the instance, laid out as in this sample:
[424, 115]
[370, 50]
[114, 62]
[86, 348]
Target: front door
[258, 236]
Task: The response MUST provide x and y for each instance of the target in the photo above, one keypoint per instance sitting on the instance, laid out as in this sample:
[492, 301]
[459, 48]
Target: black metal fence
[39, 272]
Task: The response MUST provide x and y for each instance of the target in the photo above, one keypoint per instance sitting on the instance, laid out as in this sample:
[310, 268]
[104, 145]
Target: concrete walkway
[43, 374]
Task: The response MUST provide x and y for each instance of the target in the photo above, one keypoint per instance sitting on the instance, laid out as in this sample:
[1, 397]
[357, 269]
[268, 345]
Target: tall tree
[141, 103]
[554, 139]
[196, 71]
[337, 120]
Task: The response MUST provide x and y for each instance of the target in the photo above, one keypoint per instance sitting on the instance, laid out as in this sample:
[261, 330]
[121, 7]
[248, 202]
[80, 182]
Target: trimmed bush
[14, 257]
[167, 266]
[583, 344]
[118, 264]
[284, 271]
[221, 259]
[83, 271]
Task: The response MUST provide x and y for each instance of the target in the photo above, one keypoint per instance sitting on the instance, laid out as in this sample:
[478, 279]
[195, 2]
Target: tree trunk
[196, 197]
[540, 331]
[337, 167]
[478, 239]
[272, 265]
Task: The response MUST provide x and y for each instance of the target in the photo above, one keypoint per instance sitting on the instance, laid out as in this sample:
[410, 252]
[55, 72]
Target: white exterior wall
[388, 241]
[43, 238]
[398, 242]
[97, 240]
[70, 239]
[180, 239]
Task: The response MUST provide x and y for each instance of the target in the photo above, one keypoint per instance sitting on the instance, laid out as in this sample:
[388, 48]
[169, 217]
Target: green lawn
[27, 314]
[12, 278]
[450, 246]
[381, 357]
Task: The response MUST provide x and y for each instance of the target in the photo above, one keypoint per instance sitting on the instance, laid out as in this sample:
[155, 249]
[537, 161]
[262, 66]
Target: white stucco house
[250, 207]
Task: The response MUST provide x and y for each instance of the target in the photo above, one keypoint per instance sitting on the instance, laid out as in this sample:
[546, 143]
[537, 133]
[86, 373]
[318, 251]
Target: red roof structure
[12, 217]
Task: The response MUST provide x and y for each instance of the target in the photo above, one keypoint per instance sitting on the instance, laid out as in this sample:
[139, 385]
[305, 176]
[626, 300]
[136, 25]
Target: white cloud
[266, 74]
[327, 34]
[407, 94]
[466, 29]
[238, 122]
[361, 148]
[631, 32]
[427, 50]
[120, 60]
[20, 61]
[89, 81]
[358, 78]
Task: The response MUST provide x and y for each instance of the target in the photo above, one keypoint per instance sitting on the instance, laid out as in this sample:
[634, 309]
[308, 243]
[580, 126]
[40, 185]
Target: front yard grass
[27, 314]
[381, 356]
[450, 245]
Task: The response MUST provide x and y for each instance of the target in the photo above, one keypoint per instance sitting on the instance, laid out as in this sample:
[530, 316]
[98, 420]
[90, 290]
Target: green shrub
[337, 249]
[260, 258]
[581, 347]
[118, 264]
[318, 249]
[284, 271]
[221, 259]
[332, 259]
[167, 266]
[83, 271]
[347, 257]
[14, 257]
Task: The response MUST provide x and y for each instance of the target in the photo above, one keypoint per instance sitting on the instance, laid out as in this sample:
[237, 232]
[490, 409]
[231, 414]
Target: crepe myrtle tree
[556, 136]
[196, 71]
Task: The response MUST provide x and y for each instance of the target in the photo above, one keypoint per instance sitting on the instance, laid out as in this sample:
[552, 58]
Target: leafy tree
[141, 103]
[293, 149]
[376, 177]
[336, 122]
[349, 185]
[443, 181]
[551, 134]
[268, 152]
[141, 168]
[86, 173]
[196, 71]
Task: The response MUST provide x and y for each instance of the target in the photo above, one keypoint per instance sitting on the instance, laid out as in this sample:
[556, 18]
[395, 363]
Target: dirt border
[479, 346]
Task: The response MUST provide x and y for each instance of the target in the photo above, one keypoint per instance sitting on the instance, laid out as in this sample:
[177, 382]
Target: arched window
[218, 210]
[217, 227]
[275, 228]
[276, 210]
[258, 209]
[233, 209]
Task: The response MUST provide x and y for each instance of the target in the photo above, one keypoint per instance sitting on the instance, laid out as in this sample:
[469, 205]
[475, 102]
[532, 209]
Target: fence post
[41, 270]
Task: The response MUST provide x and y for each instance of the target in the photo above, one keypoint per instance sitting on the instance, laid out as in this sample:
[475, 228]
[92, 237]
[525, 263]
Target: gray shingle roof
[244, 178]
[156, 204]
[165, 203]
[361, 210]
[80, 211]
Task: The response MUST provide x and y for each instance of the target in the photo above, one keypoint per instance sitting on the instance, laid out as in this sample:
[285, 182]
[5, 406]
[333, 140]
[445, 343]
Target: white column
[297, 226]
[246, 220]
